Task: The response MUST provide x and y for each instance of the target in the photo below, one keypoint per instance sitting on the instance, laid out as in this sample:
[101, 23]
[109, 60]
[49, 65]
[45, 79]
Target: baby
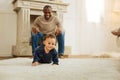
[46, 53]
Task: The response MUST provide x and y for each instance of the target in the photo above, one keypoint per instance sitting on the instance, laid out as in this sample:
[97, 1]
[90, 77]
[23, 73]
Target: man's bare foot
[35, 64]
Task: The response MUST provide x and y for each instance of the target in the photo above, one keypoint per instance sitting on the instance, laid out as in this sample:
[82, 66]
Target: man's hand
[35, 30]
[58, 31]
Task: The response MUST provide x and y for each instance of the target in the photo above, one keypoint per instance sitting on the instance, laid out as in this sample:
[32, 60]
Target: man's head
[47, 10]
[49, 41]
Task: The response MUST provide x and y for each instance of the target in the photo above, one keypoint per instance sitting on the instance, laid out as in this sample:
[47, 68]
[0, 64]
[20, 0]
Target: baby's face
[50, 43]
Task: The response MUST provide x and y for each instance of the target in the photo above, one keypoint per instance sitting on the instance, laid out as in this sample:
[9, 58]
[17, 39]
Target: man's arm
[35, 28]
[59, 27]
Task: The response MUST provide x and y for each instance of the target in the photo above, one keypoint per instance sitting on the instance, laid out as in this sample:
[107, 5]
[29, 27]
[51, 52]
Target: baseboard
[92, 56]
[77, 56]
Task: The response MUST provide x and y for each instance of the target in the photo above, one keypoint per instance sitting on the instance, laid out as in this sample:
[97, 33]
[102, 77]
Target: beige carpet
[69, 69]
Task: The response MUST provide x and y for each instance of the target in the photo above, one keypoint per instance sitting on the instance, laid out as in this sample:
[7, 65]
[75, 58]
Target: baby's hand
[35, 64]
[54, 64]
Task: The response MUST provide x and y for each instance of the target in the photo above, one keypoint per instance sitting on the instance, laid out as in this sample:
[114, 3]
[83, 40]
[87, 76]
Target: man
[47, 24]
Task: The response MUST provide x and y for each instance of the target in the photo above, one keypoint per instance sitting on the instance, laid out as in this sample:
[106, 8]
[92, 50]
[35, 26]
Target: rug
[68, 69]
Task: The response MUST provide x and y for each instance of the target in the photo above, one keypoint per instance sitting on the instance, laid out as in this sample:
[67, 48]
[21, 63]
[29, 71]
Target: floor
[69, 69]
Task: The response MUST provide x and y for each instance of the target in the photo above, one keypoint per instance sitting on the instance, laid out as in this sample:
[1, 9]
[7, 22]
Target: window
[94, 10]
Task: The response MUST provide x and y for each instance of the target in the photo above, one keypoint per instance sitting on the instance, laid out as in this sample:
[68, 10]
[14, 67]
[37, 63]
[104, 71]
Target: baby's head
[49, 41]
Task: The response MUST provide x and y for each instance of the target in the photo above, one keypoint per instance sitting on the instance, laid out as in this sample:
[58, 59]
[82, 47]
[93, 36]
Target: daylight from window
[94, 10]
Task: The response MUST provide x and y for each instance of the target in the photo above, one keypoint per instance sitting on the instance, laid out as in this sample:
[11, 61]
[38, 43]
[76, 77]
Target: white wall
[69, 23]
[7, 27]
[83, 38]
[86, 38]
[112, 43]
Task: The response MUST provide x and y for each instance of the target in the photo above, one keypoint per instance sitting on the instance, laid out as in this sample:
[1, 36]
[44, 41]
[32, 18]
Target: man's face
[47, 13]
